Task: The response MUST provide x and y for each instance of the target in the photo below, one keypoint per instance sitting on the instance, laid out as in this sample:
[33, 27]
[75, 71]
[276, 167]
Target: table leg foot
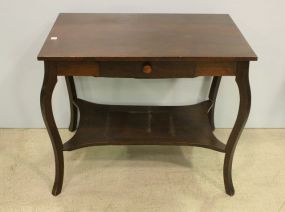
[57, 186]
[212, 97]
[230, 191]
[242, 81]
[229, 187]
[72, 97]
[50, 80]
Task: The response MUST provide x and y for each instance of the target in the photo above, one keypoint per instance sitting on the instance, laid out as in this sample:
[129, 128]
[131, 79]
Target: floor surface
[142, 178]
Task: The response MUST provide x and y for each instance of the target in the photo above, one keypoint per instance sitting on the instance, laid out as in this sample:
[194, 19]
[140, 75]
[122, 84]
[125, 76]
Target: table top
[145, 37]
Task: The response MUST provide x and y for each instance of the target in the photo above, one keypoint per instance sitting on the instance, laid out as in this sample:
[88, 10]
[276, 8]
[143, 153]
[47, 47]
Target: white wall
[25, 24]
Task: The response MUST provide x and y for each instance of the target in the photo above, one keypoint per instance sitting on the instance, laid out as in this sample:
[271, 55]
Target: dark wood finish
[143, 125]
[49, 83]
[144, 46]
[78, 69]
[244, 108]
[72, 97]
[146, 37]
[159, 69]
[212, 97]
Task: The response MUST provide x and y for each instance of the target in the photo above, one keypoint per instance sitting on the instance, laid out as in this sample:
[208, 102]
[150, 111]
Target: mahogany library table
[146, 46]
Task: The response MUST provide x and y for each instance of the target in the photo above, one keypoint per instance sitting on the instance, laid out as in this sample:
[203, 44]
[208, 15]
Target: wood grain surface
[145, 37]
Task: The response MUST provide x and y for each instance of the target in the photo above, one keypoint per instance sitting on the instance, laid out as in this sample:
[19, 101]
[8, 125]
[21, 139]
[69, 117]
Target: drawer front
[156, 69]
[147, 69]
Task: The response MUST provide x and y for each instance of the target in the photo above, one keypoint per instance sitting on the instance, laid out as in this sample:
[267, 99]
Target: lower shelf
[143, 125]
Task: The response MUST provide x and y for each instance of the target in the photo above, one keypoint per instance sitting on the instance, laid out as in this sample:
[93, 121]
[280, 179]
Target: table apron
[157, 69]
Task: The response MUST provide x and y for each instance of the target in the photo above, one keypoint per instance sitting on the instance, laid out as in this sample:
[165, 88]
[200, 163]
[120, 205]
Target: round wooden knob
[147, 69]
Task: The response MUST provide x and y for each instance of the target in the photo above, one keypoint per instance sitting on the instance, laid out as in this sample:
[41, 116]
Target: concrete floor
[142, 178]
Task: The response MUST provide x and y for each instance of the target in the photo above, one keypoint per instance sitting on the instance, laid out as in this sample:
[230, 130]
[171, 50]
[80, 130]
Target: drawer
[147, 69]
[155, 69]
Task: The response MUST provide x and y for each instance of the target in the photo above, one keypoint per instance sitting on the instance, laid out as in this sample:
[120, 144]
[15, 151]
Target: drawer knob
[147, 69]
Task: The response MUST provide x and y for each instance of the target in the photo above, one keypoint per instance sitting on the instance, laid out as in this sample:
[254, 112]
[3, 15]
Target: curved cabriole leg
[72, 97]
[212, 97]
[49, 83]
[244, 108]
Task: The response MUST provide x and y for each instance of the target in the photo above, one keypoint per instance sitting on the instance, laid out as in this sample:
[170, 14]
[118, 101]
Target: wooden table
[145, 46]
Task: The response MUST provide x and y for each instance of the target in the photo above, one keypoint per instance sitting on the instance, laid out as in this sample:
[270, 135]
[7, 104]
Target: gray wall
[25, 24]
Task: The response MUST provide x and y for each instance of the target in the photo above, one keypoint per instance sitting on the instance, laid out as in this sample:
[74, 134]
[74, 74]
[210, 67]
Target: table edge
[190, 59]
